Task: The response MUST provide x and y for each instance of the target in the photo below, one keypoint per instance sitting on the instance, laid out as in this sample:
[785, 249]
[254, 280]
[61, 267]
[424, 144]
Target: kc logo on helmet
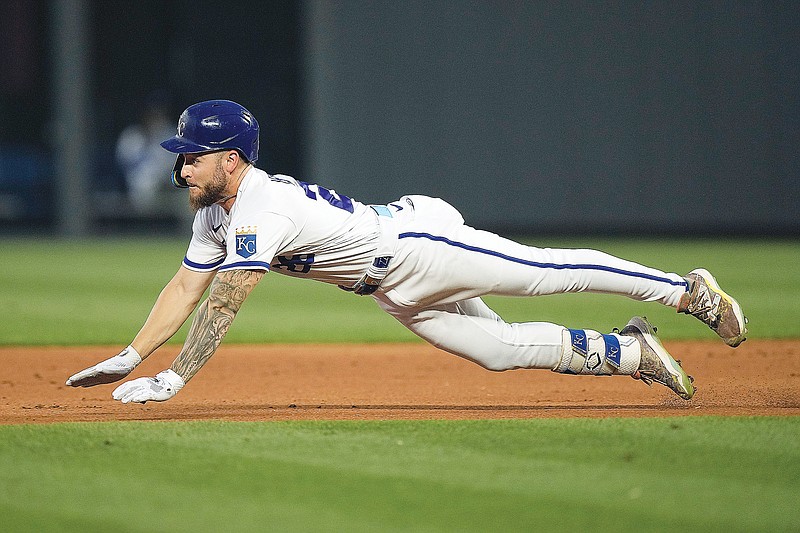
[246, 241]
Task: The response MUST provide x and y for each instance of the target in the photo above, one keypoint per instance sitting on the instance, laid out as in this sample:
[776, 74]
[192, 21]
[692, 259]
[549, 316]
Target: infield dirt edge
[406, 381]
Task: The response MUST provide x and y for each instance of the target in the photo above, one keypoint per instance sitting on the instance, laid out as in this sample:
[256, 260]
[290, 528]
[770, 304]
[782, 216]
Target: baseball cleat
[714, 307]
[656, 363]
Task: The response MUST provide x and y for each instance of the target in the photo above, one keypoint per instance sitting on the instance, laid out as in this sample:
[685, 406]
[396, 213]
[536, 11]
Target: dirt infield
[395, 381]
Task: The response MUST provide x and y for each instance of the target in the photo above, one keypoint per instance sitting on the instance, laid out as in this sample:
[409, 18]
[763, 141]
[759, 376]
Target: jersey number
[336, 200]
[300, 263]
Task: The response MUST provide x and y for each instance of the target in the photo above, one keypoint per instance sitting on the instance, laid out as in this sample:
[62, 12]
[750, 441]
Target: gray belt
[387, 245]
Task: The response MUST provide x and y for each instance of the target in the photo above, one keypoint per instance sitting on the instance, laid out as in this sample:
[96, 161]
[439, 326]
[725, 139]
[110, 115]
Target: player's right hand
[108, 371]
[161, 388]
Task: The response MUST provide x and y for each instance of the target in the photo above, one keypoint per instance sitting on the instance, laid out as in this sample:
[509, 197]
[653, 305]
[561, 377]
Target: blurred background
[620, 118]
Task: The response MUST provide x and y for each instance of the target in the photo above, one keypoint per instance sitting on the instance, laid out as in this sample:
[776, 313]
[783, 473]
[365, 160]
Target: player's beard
[212, 193]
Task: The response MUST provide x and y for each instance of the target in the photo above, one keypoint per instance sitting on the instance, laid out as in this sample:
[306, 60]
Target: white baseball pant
[442, 267]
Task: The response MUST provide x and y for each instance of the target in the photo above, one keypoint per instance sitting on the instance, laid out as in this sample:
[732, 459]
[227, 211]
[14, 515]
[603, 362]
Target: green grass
[701, 474]
[100, 292]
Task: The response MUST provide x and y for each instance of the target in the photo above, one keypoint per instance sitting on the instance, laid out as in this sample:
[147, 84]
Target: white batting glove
[161, 388]
[108, 371]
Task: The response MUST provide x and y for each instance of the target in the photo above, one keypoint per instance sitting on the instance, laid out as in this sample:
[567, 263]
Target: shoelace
[649, 376]
[705, 305]
[646, 376]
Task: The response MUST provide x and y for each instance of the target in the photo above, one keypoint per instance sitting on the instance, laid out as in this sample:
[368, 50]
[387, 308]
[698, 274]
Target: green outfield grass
[674, 474]
[100, 292]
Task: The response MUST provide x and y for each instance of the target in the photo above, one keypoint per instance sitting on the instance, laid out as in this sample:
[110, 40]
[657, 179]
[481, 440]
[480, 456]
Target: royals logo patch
[246, 241]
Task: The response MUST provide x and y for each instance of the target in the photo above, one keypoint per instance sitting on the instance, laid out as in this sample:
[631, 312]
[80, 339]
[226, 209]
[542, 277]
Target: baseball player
[415, 256]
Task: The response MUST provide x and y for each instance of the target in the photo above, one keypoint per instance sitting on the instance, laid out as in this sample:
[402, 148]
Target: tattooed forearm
[214, 317]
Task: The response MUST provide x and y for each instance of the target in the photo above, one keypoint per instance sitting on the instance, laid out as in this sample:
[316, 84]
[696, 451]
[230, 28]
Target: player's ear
[232, 158]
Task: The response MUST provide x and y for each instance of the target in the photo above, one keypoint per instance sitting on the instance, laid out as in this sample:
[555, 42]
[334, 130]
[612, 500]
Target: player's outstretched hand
[161, 388]
[108, 371]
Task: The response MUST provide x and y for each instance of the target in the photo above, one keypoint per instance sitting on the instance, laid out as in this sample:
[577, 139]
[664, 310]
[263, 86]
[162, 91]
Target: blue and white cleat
[656, 363]
[714, 307]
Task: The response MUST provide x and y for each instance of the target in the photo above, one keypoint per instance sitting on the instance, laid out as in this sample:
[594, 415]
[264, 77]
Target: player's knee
[497, 368]
[493, 364]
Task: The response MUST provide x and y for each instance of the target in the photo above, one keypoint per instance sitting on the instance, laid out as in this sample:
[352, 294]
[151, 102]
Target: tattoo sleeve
[214, 316]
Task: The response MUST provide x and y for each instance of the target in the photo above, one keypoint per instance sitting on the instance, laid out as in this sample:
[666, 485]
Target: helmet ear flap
[212, 126]
[177, 180]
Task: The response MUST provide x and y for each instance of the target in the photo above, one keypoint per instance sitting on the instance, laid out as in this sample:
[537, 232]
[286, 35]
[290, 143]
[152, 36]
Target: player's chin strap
[387, 245]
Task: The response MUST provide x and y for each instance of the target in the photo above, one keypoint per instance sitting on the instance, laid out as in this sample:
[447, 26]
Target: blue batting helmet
[210, 126]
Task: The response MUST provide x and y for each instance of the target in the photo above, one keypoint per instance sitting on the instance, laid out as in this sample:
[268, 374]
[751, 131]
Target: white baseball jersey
[439, 269]
[278, 223]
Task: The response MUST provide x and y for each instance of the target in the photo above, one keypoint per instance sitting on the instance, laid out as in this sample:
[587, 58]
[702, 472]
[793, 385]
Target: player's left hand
[161, 388]
[108, 371]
